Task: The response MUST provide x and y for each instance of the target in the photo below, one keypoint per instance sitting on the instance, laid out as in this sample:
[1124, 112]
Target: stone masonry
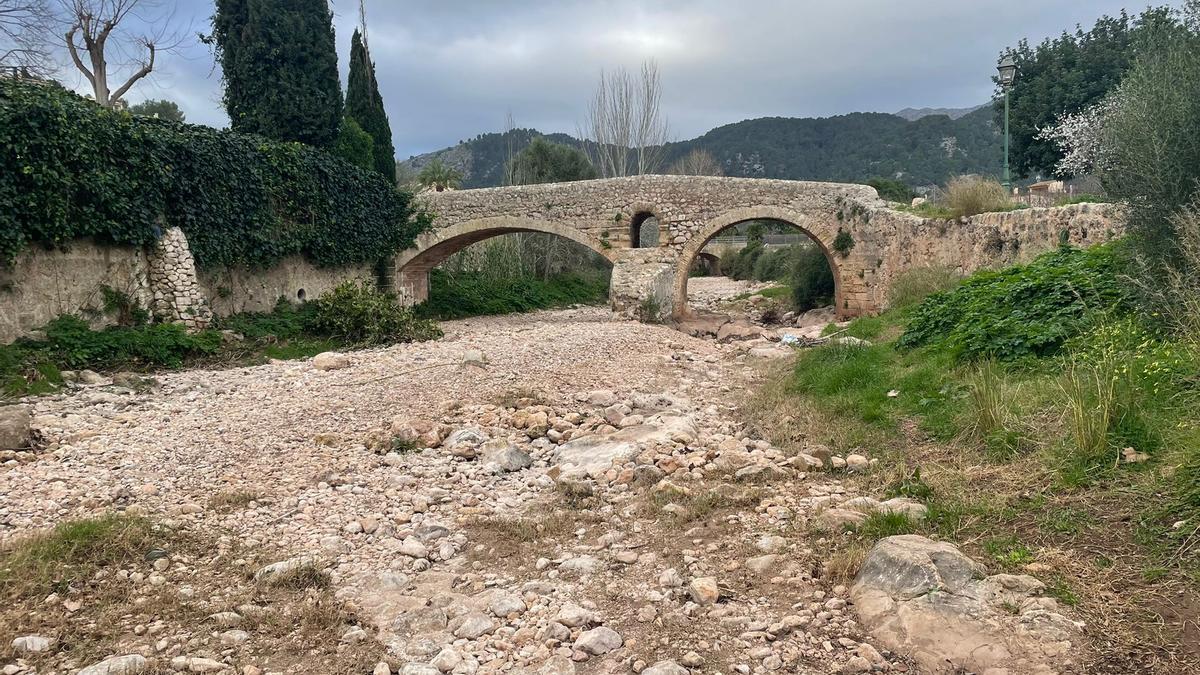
[878, 242]
[174, 289]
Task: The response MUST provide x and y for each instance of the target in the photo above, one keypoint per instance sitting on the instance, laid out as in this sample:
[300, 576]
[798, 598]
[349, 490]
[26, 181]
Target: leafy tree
[438, 176]
[1065, 75]
[1151, 138]
[280, 69]
[355, 145]
[892, 190]
[162, 109]
[546, 162]
[364, 105]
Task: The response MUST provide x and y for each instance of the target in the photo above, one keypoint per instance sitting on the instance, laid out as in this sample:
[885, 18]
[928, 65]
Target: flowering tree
[1080, 137]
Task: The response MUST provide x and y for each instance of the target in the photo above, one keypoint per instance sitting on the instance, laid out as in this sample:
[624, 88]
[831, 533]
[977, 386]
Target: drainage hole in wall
[300, 294]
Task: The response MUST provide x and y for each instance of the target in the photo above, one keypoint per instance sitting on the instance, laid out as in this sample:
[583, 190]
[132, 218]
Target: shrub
[71, 342]
[361, 314]
[71, 169]
[355, 145]
[972, 195]
[1024, 310]
[843, 243]
[893, 190]
[914, 285]
[811, 279]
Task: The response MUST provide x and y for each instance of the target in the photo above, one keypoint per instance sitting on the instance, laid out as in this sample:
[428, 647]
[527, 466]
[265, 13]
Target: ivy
[71, 169]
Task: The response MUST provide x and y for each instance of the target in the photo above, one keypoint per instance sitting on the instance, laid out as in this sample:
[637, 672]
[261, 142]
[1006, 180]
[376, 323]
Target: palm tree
[438, 176]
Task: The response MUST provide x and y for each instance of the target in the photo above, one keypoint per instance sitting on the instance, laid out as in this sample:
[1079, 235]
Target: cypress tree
[280, 69]
[365, 106]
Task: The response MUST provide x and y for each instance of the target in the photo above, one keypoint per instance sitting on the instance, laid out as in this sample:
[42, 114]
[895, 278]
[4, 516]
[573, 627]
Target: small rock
[704, 590]
[32, 644]
[331, 361]
[128, 664]
[597, 641]
[474, 626]
[665, 668]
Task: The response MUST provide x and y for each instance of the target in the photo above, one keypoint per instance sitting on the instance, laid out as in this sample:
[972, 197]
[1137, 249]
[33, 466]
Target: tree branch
[144, 71]
[75, 55]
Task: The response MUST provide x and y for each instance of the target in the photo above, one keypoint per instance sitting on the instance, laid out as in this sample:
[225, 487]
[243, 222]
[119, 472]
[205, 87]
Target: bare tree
[698, 162]
[25, 30]
[625, 131]
[90, 31]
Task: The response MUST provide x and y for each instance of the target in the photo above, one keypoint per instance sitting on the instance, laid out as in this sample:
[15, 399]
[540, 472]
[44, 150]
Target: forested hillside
[846, 148]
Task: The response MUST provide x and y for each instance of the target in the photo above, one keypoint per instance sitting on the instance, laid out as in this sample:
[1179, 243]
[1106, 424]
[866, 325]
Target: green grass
[73, 552]
[461, 295]
[854, 381]
[882, 525]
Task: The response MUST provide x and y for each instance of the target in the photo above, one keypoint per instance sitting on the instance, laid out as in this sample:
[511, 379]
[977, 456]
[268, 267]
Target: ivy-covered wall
[70, 169]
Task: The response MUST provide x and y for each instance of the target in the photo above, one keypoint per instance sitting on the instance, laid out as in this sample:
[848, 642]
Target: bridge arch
[821, 232]
[412, 267]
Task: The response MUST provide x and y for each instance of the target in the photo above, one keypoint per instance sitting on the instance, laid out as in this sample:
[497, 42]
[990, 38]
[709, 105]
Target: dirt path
[492, 551]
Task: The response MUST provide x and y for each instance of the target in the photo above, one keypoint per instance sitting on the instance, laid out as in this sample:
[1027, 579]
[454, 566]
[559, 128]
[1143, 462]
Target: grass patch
[883, 525]
[72, 552]
[465, 294]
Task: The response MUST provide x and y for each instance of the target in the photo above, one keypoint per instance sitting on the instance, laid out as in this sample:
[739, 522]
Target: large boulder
[929, 601]
[15, 430]
[330, 361]
[592, 455]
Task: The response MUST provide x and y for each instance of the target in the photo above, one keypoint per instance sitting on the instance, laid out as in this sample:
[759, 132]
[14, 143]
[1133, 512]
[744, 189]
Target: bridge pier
[642, 284]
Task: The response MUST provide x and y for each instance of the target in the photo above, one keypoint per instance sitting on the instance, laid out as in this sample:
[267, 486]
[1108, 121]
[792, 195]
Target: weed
[73, 552]
[1009, 552]
[843, 243]
[914, 285]
[880, 525]
[300, 577]
[230, 500]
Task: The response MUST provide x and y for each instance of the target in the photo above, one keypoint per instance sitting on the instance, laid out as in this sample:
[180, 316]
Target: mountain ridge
[843, 148]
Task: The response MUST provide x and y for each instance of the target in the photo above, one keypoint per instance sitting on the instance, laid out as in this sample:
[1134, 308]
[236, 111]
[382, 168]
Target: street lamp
[1008, 75]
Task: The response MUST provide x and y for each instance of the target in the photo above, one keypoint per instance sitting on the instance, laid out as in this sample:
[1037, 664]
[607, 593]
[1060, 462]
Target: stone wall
[234, 290]
[162, 278]
[992, 240]
[175, 294]
[43, 284]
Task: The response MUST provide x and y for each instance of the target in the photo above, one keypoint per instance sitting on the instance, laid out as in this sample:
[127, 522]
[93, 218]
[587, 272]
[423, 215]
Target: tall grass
[1090, 393]
[918, 283]
[972, 195]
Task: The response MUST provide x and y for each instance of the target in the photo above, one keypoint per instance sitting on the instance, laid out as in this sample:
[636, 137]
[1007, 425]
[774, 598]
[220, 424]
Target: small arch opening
[644, 231]
[301, 295]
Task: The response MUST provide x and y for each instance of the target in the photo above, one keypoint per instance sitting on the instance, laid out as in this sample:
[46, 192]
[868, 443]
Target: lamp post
[1008, 75]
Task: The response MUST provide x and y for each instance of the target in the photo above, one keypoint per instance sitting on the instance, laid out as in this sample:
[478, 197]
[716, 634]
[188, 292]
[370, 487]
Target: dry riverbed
[559, 492]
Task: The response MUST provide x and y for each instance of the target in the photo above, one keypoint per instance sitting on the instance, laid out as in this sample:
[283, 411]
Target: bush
[462, 294]
[893, 190]
[71, 169]
[361, 314]
[1022, 311]
[355, 145]
[71, 342]
[972, 195]
[914, 285]
[811, 280]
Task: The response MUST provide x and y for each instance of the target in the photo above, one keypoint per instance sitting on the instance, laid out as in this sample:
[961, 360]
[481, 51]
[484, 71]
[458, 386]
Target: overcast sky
[451, 69]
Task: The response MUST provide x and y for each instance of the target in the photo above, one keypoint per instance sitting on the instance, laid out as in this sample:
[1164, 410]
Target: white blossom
[1081, 139]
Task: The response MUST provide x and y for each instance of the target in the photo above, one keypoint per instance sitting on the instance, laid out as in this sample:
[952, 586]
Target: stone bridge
[867, 243]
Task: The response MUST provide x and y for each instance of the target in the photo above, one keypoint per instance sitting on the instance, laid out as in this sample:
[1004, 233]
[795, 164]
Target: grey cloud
[450, 70]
